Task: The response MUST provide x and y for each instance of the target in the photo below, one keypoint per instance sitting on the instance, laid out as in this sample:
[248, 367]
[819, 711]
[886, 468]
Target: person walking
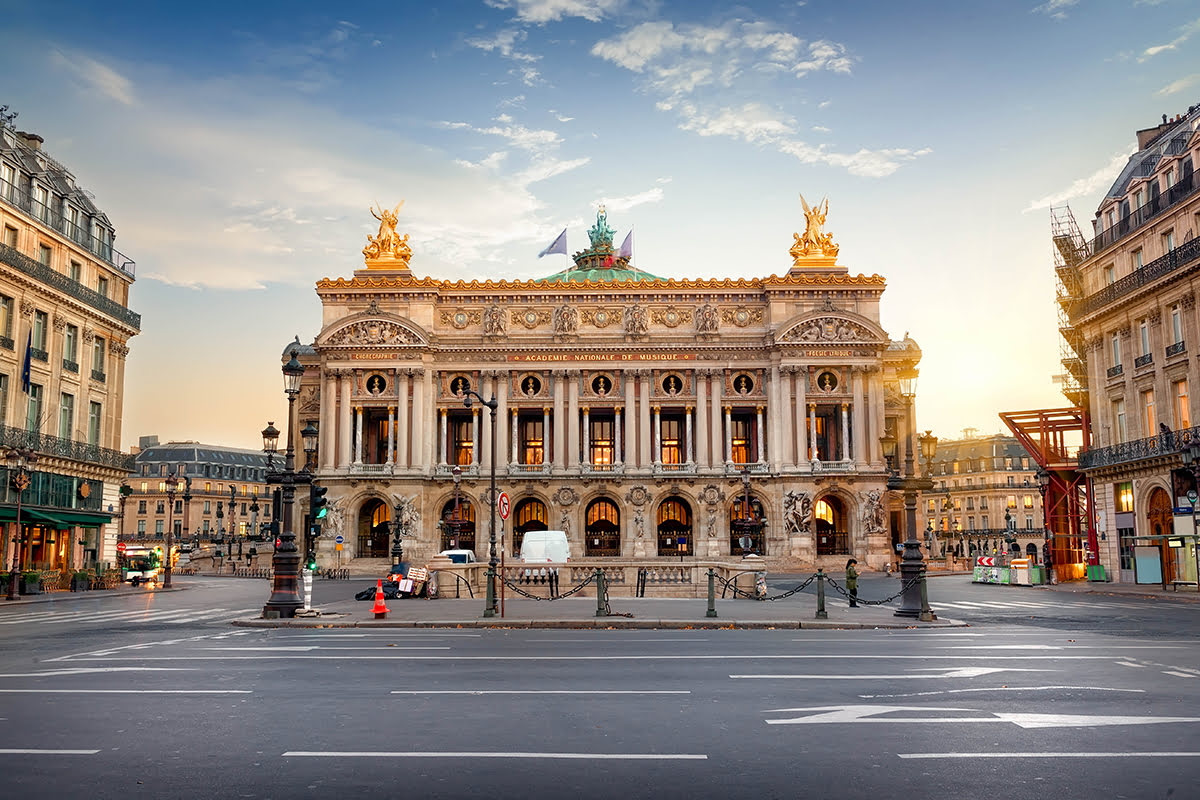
[852, 582]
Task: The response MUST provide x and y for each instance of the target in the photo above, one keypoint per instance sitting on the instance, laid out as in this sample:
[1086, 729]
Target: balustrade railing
[1185, 255]
[1163, 444]
[56, 280]
[1176, 349]
[65, 448]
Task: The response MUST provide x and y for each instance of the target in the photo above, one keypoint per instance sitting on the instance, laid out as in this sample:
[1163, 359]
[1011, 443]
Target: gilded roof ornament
[387, 250]
[815, 244]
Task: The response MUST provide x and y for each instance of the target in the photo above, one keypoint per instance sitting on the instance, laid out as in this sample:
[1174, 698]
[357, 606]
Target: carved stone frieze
[1188, 301]
[742, 316]
[600, 317]
[530, 317]
[708, 319]
[461, 318]
[1155, 316]
[27, 309]
[670, 316]
[566, 319]
[828, 329]
[637, 321]
[89, 335]
[372, 332]
[494, 321]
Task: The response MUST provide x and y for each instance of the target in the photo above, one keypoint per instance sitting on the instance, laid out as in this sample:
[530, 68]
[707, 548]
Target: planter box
[31, 587]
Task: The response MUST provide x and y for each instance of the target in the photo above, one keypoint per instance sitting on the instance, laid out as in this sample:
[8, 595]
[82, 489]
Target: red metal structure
[1054, 437]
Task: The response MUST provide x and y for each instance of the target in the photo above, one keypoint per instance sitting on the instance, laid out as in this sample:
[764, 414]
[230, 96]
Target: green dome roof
[601, 275]
[599, 264]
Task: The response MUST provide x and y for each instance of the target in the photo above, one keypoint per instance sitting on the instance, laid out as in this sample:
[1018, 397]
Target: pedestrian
[852, 582]
[1048, 562]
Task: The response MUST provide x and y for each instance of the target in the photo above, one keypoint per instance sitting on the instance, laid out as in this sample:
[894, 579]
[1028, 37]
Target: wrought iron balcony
[70, 366]
[1186, 255]
[1176, 349]
[65, 448]
[1163, 444]
[7, 343]
[1113, 372]
[93, 244]
[98, 375]
[38, 354]
[1184, 188]
[56, 280]
[1143, 360]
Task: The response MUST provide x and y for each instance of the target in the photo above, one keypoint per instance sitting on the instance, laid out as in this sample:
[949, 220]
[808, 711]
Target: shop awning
[56, 519]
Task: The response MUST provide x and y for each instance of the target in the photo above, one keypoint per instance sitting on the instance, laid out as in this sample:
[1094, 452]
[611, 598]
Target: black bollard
[821, 612]
[712, 593]
[927, 614]
[600, 611]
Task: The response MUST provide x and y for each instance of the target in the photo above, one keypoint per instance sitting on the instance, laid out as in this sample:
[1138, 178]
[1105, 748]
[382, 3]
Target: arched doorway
[373, 533]
[747, 532]
[830, 528]
[457, 524]
[674, 527]
[602, 528]
[529, 516]
[1160, 517]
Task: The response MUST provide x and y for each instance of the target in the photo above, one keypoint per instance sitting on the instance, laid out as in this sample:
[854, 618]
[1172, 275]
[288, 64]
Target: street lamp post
[1191, 459]
[285, 591]
[232, 524]
[912, 564]
[490, 607]
[22, 457]
[172, 488]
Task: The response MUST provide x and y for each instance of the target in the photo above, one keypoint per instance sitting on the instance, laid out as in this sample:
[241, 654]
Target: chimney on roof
[32, 140]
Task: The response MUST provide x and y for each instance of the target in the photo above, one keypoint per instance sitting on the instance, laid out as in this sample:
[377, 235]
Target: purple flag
[626, 251]
[559, 245]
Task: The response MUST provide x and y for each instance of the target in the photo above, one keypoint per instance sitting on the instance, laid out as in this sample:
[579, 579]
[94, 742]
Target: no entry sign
[502, 505]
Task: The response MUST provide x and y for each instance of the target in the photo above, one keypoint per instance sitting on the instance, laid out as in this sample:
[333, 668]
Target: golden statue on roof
[815, 242]
[387, 249]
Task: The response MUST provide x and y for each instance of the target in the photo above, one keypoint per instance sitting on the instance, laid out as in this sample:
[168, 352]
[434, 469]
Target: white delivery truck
[545, 546]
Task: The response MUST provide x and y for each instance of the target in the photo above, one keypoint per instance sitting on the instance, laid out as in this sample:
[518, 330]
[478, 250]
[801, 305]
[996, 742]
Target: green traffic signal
[317, 502]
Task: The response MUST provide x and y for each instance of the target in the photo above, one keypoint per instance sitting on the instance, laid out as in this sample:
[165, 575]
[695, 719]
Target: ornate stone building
[631, 412]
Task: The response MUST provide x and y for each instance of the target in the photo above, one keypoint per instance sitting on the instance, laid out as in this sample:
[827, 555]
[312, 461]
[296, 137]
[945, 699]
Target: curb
[603, 623]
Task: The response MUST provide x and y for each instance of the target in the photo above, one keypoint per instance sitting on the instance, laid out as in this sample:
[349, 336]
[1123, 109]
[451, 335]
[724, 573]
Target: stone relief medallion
[670, 316]
[530, 317]
[827, 381]
[376, 383]
[637, 496]
[530, 385]
[743, 383]
[600, 317]
[602, 385]
[711, 495]
[566, 496]
[461, 318]
[742, 316]
[460, 385]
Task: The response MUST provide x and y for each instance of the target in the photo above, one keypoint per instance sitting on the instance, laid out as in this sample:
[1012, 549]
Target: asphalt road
[156, 695]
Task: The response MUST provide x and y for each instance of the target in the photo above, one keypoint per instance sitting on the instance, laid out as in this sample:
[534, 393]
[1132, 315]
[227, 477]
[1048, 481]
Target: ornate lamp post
[187, 506]
[123, 496]
[21, 457]
[309, 435]
[172, 488]
[285, 593]
[233, 532]
[748, 525]
[912, 564]
[1191, 460]
[489, 609]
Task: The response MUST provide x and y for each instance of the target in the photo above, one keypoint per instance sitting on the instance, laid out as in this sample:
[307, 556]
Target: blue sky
[237, 148]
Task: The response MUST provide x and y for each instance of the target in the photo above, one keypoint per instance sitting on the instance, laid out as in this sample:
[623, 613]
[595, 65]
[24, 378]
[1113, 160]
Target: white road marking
[965, 672]
[125, 691]
[991, 689]
[1145, 754]
[30, 752]
[870, 714]
[1178, 674]
[541, 691]
[592, 641]
[88, 670]
[463, 754]
[1059, 647]
[307, 648]
[697, 657]
[1131, 664]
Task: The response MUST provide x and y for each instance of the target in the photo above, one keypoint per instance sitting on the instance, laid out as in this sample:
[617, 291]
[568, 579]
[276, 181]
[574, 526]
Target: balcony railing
[1185, 255]
[38, 354]
[98, 375]
[1176, 349]
[65, 448]
[528, 469]
[1163, 444]
[70, 366]
[7, 343]
[1114, 372]
[1183, 189]
[97, 246]
[62, 283]
[1143, 360]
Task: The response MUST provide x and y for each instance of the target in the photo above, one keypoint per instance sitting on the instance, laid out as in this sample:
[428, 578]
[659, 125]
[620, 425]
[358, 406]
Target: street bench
[1176, 584]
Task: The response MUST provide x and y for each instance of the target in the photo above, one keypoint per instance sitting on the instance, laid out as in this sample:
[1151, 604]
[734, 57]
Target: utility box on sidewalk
[1019, 572]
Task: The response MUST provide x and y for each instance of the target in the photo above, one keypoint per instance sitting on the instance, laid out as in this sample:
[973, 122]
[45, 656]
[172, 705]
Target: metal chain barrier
[860, 601]
[523, 593]
[728, 584]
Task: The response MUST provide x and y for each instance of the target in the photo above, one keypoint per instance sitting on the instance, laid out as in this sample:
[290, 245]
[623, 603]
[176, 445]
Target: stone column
[657, 435]
[716, 380]
[345, 417]
[516, 432]
[475, 435]
[420, 432]
[787, 417]
[560, 428]
[358, 448]
[391, 454]
[728, 435]
[443, 442]
[874, 452]
[617, 437]
[688, 437]
[573, 420]
[402, 422]
[802, 439]
[774, 420]
[644, 437]
[545, 435]
[501, 383]
[845, 432]
[485, 441]
[762, 456]
[701, 418]
[587, 437]
[328, 443]
[858, 418]
[630, 417]
[812, 433]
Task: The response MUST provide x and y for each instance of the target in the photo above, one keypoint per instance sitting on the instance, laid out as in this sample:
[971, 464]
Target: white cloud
[1185, 33]
[1082, 187]
[542, 11]
[622, 204]
[504, 43]
[1180, 85]
[1055, 9]
[96, 76]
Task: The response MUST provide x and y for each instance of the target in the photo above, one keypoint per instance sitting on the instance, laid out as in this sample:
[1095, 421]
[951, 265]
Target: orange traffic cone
[380, 610]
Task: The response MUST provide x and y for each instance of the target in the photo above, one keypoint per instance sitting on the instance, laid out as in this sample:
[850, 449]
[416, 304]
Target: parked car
[459, 556]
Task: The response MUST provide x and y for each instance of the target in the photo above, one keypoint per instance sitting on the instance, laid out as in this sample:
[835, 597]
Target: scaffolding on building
[1070, 251]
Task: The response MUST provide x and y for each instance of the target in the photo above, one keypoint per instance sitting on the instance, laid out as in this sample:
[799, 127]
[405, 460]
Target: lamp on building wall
[172, 487]
[285, 591]
[490, 607]
[19, 457]
[912, 564]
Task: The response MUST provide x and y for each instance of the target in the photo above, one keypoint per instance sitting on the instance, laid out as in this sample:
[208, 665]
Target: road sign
[337, 547]
[120, 547]
[339, 539]
[502, 505]
[985, 561]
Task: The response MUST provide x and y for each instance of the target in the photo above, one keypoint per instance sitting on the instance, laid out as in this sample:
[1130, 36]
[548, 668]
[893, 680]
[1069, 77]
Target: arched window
[373, 529]
[602, 528]
[530, 516]
[674, 527]
[747, 532]
[829, 520]
[458, 525]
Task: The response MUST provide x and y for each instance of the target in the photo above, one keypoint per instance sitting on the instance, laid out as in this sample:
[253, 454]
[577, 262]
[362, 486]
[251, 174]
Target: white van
[545, 546]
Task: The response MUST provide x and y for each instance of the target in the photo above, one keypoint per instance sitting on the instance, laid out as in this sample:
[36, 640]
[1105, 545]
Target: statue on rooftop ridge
[814, 242]
[387, 244]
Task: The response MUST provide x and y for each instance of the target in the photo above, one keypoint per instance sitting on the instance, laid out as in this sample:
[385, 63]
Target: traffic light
[310, 562]
[317, 504]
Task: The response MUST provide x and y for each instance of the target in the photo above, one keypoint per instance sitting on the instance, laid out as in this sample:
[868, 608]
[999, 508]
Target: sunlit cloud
[623, 204]
[1055, 9]
[1101, 178]
[1175, 87]
[1185, 33]
[541, 11]
[99, 77]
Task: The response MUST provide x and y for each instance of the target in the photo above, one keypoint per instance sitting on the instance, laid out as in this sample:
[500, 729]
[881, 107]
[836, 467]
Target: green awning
[58, 520]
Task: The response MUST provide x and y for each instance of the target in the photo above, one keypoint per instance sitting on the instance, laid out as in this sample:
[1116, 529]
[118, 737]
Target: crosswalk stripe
[220, 612]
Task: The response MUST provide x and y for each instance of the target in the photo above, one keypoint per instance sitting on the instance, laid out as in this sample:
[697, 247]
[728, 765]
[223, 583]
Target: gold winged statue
[387, 244]
[814, 242]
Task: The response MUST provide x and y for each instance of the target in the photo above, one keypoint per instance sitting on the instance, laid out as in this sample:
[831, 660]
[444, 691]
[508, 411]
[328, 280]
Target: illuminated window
[671, 431]
[600, 440]
[1012, 501]
[1028, 501]
[1183, 417]
[1149, 421]
[461, 443]
[822, 511]
[533, 446]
